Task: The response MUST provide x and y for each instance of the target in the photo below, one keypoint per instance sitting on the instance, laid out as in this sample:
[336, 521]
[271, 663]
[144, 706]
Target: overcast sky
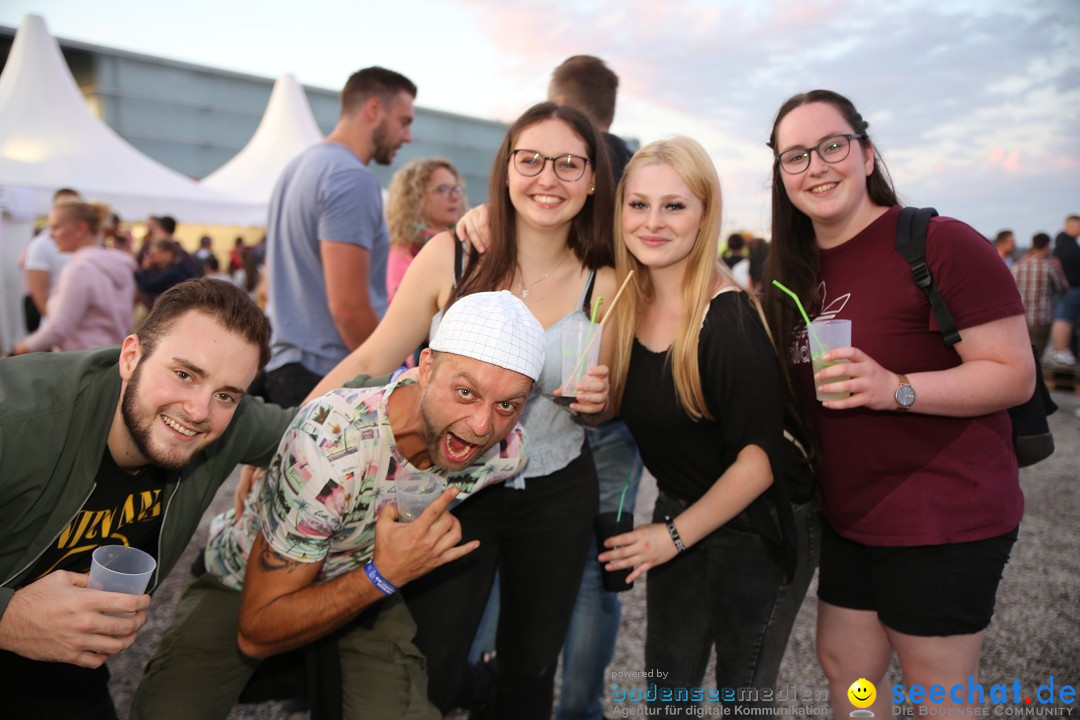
[975, 105]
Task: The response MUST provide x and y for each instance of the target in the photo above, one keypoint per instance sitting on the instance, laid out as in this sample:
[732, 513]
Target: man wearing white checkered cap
[327, 553]
[496, 328]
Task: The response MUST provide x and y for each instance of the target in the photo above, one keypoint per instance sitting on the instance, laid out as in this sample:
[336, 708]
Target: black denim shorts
[926, 590]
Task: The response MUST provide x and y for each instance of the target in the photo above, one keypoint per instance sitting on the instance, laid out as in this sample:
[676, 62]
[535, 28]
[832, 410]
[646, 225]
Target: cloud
[962, 94]
[970, 94]
[1005, 159]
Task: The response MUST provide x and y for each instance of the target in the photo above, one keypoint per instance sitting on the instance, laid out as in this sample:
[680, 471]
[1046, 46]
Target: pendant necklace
[525, 286]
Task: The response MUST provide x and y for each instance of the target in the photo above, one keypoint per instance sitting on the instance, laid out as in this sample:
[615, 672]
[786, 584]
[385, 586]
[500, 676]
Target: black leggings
[538, 538]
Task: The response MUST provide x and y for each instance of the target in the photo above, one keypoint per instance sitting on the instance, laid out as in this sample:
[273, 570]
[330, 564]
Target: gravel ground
[1035, 634]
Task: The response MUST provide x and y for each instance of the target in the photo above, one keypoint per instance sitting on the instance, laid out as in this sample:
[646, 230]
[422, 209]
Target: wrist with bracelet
[385, 586]
[680, 546]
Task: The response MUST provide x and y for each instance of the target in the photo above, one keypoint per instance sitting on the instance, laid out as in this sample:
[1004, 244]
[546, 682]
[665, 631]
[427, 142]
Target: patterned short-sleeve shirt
[334, 470]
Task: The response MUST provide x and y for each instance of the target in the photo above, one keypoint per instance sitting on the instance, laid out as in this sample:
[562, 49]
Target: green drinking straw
[798, 304]
[794, 297]
[593, 335]
[595, 308]
[588, 346]
[625, 487]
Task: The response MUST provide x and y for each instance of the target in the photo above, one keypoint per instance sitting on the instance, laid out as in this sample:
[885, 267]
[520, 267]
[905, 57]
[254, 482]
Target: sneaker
[1059, 358]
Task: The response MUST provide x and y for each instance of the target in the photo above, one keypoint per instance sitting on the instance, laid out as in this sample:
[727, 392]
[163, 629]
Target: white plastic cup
[415, 491]
[580, 338]
[118, 568]
[828, 335]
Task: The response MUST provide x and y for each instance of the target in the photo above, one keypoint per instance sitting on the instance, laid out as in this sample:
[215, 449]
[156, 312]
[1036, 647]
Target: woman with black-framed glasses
[918, 480]
[550, 221]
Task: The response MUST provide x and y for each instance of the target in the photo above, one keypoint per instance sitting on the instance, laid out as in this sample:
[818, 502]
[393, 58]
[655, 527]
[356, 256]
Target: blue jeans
[590, 640]
[729, 590]
[1067, 306]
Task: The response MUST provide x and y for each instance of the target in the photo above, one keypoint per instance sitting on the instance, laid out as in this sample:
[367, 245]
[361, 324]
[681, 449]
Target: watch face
[905, 396]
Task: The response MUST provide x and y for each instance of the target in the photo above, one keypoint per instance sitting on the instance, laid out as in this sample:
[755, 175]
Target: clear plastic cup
[828, 335]
[118, 568]
[415, 491]
[580, 351]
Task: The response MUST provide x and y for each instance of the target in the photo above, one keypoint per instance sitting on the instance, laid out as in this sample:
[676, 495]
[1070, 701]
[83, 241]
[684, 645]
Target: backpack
[1031, 435]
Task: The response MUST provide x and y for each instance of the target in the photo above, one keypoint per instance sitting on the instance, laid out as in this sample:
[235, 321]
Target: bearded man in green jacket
[117, 446]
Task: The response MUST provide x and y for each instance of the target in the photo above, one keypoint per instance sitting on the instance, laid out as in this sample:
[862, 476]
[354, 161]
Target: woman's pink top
[92, 304]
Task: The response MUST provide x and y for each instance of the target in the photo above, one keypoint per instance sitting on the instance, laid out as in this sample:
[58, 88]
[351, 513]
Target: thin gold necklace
[525, 286]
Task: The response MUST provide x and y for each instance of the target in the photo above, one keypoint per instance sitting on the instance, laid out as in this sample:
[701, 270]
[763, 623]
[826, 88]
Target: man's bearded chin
[140, 433]
[382, 153]
[445, 446]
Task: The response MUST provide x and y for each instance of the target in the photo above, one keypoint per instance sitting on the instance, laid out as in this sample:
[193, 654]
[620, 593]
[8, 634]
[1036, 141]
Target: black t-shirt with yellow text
[124, 509]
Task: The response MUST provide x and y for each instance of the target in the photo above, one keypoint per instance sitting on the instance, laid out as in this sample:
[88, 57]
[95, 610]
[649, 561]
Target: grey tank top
[554, 439]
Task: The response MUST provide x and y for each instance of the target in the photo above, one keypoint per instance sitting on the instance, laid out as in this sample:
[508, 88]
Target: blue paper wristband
[385, 586]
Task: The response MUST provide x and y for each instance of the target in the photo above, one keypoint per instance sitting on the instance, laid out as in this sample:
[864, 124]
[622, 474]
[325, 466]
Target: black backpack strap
[911, 243]
[587, 295]
[459, 257]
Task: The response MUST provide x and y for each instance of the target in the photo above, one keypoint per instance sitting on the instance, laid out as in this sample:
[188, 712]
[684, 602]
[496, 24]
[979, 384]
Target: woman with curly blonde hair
[426, 197]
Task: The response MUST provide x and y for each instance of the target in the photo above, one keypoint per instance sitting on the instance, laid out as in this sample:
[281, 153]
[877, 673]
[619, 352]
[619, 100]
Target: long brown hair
[591, 229]
[793, 257]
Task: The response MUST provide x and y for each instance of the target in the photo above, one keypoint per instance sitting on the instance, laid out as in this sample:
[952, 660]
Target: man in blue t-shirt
[327, 239]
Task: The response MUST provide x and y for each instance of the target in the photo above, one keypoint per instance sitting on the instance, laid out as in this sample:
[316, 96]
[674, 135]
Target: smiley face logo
[862, 693]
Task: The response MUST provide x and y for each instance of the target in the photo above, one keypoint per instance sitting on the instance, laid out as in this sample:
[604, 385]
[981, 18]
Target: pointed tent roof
[50, 139]
[287, 129]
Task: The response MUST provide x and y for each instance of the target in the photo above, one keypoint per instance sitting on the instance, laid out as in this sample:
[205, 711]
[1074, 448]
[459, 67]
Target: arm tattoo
[270, 561]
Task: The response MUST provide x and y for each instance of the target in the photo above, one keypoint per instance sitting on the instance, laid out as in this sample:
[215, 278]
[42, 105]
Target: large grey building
[193, 119]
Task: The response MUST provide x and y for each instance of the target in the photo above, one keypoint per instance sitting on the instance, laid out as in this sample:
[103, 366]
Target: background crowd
[704, 378]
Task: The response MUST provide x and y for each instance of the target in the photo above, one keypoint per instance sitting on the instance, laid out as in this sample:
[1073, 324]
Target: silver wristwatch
[905, 394]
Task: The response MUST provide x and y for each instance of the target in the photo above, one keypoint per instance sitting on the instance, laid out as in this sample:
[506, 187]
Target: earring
[591, 189]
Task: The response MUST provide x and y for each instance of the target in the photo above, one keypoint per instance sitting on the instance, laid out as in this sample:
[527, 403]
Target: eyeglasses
[448, 190]
[530, 163]
[831, 150]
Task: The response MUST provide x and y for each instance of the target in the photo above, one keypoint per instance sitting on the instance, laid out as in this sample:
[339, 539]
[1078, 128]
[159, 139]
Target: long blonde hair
[689, 159]
[405, 199]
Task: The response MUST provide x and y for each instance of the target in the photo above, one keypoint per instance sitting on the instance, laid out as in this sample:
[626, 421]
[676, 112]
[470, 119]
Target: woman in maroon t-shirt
[917, 478]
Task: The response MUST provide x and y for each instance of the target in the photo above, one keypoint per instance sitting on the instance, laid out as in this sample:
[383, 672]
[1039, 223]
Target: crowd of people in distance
[1049, 283]
[86, 286]
[361, 345]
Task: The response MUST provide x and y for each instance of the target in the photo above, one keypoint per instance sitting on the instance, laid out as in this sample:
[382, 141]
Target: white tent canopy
[287, 129]
[50, 139]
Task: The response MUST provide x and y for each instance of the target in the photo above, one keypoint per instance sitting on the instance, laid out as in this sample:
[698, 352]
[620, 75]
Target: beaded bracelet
[674, 533]
[385, 586]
